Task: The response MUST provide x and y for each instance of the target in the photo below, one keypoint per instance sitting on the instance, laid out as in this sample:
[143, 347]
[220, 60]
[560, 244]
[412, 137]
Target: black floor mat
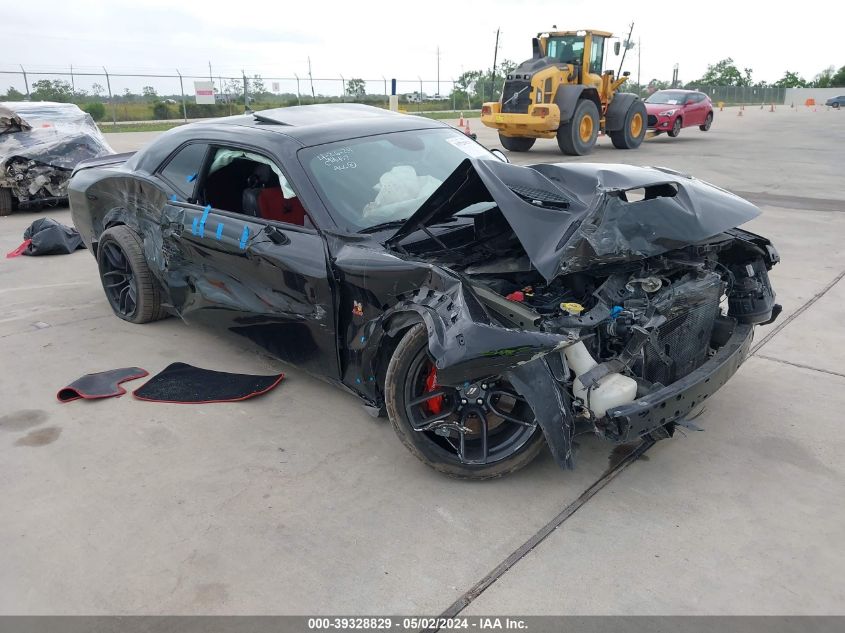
[182, 383]
[105, 384]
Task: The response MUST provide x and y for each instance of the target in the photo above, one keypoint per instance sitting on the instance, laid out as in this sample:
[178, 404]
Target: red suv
[671, 110]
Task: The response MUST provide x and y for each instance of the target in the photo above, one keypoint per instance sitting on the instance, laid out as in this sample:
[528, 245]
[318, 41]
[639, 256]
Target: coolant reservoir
[613, 389]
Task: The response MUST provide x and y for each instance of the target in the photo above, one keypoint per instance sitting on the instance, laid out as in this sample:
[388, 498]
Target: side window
[597, 55]
[244, 182]
[182, 170]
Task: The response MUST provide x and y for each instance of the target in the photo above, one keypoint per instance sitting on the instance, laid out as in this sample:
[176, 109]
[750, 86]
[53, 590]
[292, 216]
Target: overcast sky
[400, 38]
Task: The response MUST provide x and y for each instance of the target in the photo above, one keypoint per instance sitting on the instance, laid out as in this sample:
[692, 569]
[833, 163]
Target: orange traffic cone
[772, 109]
[739, 113]
[461, 121]
[466, 128]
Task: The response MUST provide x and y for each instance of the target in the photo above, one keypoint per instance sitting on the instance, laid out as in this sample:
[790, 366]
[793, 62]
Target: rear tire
[516, 144]
[402, 374]
[633, 128]
[578, 136]
[836, 105]
[676, 127]
[707, 123]
[130, 288]
[7, 203]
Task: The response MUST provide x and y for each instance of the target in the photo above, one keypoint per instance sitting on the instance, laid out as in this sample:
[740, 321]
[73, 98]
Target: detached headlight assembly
[668, 112]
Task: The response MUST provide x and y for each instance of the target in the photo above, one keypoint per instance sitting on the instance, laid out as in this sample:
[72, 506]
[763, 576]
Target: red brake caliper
[433, 405]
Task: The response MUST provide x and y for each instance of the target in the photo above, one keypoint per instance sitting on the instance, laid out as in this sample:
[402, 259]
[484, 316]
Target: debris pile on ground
[45, 236]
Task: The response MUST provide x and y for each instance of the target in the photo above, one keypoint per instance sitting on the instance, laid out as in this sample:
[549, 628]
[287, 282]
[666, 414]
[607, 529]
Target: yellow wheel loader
[563, 92]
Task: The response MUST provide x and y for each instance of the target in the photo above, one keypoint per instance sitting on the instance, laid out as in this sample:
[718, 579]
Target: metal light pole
[311, 79]
[182, 90]
[438, 71]
[25, 82]
[72, 82]
[298, 98]
[111, 98]
[342, 88]
[419, 103]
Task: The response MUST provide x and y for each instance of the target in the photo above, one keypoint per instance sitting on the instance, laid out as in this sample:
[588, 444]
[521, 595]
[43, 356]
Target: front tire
[466, 441]
[129, 285]
[516, 144]
[633, 128]
[7, 203]
[676, 127]
[707, 123]
[578, 136]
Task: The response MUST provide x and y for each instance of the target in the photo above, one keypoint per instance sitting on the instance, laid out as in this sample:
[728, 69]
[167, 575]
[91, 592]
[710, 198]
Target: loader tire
[578, 136]
[633, 129]
[6, 201]
[516, 144]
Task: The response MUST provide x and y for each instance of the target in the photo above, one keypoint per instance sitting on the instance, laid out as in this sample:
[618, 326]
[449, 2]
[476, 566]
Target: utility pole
[639, 58]
[438, 71]
[495, 56]
[311, 79]
[210, 76]
[72, 82]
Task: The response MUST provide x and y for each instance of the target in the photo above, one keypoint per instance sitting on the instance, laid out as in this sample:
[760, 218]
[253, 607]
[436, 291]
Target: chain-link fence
[134, 96]
[129, 96]
[743, 95]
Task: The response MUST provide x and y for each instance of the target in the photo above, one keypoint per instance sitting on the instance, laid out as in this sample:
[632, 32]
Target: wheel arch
[566, 99]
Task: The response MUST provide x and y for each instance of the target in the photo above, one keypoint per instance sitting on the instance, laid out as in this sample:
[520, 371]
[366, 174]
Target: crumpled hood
[573, 216]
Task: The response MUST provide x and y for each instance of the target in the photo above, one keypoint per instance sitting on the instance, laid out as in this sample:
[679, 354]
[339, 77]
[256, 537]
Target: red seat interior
[272, 205]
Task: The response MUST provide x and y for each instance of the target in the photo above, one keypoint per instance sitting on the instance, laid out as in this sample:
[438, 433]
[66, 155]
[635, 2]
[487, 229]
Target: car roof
[329, 122]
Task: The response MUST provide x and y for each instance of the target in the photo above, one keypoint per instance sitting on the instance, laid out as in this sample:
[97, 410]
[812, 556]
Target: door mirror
[616, 47]
[500, 155]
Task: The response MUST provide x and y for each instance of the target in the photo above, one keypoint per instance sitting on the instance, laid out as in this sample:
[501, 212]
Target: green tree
[97, 89]
[256, 86]
[51, 90]
[725, 73]
[356, 88]
[12, 94]
[822, 79]
[791, 80]
[149, 93]
[97, 110]
[838, 78]
[656, 84]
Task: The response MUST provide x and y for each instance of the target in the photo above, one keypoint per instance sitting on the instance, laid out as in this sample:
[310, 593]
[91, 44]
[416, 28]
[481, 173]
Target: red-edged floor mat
[185, 384]
[105, 384]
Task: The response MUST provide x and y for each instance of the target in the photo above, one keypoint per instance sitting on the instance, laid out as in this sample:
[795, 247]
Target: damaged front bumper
[674, 402]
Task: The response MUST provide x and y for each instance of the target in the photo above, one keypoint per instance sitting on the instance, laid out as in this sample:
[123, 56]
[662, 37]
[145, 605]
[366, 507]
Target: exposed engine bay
[636, 324]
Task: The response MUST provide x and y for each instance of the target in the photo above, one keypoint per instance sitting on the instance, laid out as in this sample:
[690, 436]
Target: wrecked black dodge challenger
[488, 308]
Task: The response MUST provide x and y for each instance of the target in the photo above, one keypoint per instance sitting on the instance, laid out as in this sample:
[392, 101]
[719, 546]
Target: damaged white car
[40, 144]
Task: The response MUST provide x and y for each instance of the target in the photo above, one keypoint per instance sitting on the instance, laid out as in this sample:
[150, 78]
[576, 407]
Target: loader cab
[585, 49]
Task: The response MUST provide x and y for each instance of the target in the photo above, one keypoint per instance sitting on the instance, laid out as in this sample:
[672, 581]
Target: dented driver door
[266, 282]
